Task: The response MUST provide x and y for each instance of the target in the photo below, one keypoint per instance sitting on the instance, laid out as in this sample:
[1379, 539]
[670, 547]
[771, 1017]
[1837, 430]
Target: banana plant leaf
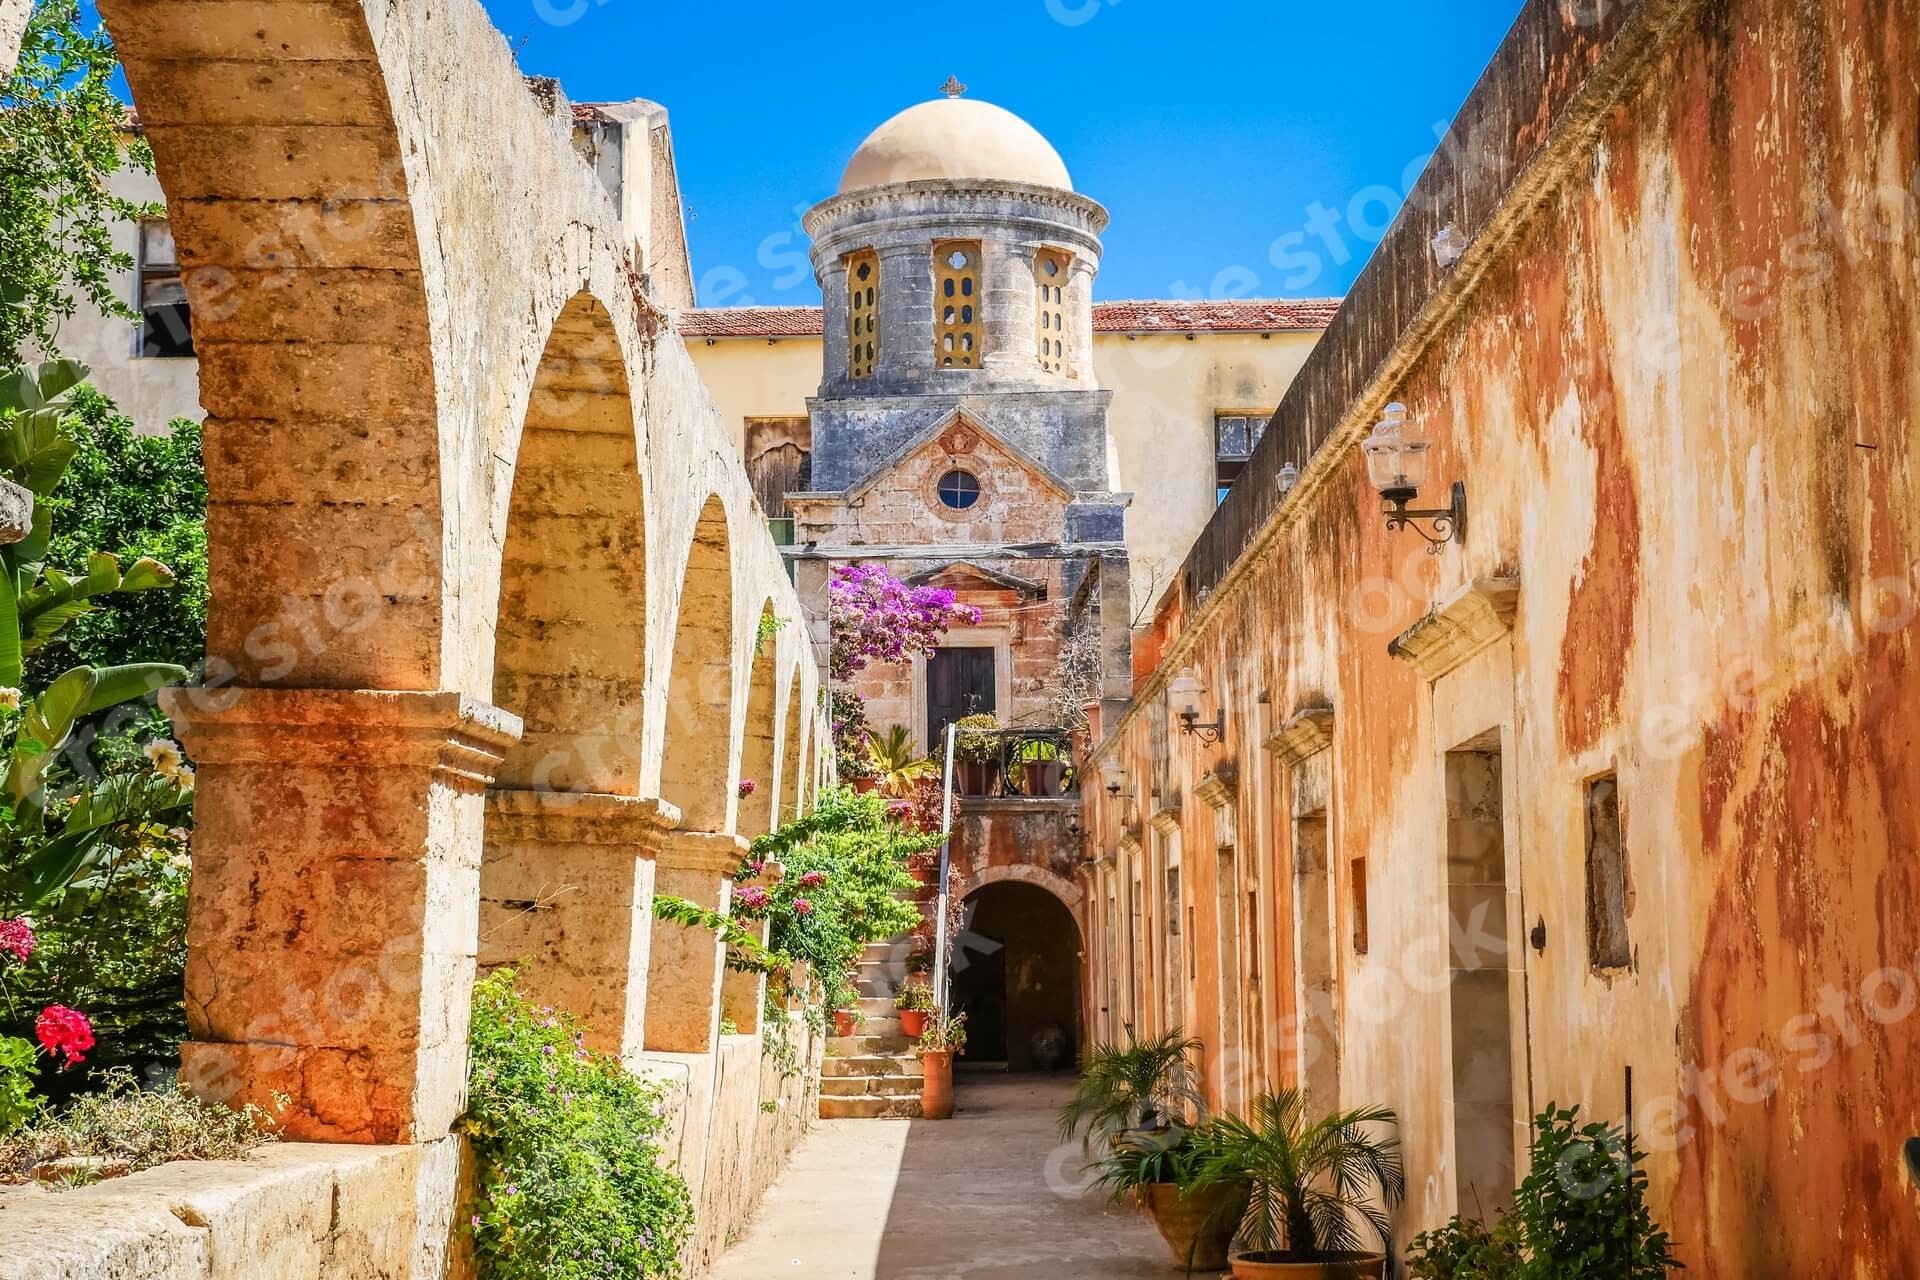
[84, 840]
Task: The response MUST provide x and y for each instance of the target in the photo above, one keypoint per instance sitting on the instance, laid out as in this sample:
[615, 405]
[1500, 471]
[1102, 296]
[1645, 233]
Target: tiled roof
[1263, 315]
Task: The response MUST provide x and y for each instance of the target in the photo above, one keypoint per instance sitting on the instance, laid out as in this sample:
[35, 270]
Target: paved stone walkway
[972, 1198]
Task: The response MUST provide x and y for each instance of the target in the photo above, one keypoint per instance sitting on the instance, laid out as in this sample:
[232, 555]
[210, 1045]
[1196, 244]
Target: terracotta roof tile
[1261, 315]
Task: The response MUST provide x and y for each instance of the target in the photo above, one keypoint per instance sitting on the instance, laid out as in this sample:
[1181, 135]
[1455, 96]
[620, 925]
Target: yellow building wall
[1160, 431]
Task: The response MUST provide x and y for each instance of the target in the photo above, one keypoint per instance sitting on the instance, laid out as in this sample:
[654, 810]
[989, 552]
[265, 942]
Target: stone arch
[793, 775]
[1069, 893]
[758, 812]
[1020, 986]
[696, 773]
[292, 209]
[570, 634]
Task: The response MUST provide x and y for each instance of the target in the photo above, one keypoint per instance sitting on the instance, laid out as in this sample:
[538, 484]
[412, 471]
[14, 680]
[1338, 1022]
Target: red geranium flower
[813, 879]
[802, 907]
[16, 939]
[64, 1033]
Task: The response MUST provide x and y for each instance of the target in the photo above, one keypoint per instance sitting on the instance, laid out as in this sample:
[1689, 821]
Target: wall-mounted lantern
[1114, 776]
[1185, 693]
[1397, 466]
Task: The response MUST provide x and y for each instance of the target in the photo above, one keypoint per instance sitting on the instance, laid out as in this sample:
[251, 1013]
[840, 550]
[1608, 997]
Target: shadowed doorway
[1016, 975]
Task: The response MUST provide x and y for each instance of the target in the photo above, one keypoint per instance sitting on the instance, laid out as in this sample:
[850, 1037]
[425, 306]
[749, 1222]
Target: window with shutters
[1050, 269]
[863, 313]
[956, 304]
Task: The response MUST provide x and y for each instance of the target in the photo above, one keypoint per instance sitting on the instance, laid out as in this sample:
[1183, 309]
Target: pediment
[963, 435]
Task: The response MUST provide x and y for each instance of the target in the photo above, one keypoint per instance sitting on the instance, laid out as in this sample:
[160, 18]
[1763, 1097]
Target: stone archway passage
[756, 811]
[1016, 974]
[696, 772]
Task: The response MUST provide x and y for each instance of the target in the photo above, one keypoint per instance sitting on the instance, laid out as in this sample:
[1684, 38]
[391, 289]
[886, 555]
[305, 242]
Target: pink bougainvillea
[64, 1033]
[16, 939]
[878, 618]
[751, 900]
[747, 787]
[801, 907]
[813, 879]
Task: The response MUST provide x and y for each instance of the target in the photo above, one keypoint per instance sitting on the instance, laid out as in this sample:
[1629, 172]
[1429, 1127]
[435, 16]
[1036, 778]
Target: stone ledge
[292, 1209]
[715, 851]
[1219, 788]
[1474, 617]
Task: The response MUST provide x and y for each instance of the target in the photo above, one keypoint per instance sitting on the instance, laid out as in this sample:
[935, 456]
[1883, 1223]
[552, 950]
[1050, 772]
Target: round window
[959, 490]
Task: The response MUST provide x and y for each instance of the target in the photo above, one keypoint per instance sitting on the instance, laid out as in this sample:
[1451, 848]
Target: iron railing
[1033, 763]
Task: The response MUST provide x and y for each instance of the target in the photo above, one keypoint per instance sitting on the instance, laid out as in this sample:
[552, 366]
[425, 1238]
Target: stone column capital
[711, 851]
[636, 823]
[460, 738]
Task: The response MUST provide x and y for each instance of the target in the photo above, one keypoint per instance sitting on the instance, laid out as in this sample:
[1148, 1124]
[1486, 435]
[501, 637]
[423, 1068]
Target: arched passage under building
[1016, 975]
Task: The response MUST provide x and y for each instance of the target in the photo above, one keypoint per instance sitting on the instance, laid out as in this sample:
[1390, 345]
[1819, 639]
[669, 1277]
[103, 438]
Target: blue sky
[1209, 128]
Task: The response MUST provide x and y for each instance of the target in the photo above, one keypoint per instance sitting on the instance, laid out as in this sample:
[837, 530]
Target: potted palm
[1146, 1087]
[897, 766]
[976, 754]
[1320, 1189]
[913, 1004]
[946, 1035]
[1161, 1171]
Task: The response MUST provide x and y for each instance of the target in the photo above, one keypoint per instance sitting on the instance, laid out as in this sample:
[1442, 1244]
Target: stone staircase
[874, 1073]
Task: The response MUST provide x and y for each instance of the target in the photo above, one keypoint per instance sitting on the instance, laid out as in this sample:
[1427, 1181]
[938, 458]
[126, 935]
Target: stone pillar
[13, 25]
[335, 902]
[1080, 325]
[567, 888]
[1116, 638]
[834, 343]
[906, 316]
[1012, 345]
[685, 967]
[743, 995]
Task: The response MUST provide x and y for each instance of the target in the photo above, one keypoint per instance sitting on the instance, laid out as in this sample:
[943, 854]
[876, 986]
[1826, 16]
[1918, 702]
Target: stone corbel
[1221, 787]
[1166, 820]
[1130, 843]
[1473, 618]
[1306, 733]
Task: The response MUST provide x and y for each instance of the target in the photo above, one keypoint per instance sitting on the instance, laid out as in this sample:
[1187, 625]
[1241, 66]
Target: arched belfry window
[1050, 268]
[956, 304]
[863, 313]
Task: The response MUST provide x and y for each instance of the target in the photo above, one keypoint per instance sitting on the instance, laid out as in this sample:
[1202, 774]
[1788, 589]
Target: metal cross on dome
[953, 88]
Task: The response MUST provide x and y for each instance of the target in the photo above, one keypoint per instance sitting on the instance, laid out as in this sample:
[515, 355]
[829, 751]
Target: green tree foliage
[62, 138]
[131, 496]
[573, 1178]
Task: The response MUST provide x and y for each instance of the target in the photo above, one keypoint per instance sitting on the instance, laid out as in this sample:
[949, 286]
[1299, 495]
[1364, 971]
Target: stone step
[854, 1046]
[870, 1108]
[878, 1009]
[869, 1086]
[876, 1064]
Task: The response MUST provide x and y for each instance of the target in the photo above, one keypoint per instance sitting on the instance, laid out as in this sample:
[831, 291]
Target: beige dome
[955, 138]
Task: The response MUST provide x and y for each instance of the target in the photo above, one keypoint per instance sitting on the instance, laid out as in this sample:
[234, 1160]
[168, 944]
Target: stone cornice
[593, 818]
[1474, 617]
[714, 851]
[1306, 733]
[958, 192]
[460, 738]
[1221, 787]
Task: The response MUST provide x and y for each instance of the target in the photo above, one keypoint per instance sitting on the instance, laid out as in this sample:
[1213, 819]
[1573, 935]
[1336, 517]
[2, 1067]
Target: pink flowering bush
[64, 1033]
[813, 879]
[876, 617]
[16, 939]
[751, 901]
[747, 787]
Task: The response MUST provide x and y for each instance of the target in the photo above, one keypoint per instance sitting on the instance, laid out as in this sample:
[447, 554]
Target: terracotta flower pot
[936, 1085]
[862, 786]
[1197, 1227]
[973, 777]
[1353, 1266]
[845, 1022]
[913, 1022]
[1041, 777]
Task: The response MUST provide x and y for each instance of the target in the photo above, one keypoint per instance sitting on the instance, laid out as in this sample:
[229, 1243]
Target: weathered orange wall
[1685, 405]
